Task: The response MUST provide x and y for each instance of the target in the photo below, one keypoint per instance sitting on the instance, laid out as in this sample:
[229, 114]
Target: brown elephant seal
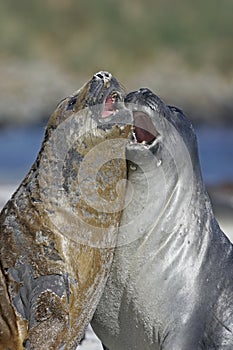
[171, 283]
[57, 234]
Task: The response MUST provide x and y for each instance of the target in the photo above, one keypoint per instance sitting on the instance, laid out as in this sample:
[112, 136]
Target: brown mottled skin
[52, 273]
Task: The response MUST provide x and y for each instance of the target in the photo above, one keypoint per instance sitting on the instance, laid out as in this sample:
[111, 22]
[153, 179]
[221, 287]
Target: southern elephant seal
[171, 282]
[57, 234]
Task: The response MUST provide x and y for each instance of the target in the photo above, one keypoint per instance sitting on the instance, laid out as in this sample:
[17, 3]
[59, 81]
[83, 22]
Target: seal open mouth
[110, 104]
[144, 131]
[112, 111]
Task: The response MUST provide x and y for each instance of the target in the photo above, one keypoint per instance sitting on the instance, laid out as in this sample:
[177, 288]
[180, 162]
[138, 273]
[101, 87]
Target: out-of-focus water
[19, 148]
[216, 153]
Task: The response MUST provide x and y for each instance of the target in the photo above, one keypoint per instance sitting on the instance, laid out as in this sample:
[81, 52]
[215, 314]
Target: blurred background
[182, 50]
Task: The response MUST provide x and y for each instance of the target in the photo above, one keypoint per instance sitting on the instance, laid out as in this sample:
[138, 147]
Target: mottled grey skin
[171, 287]
[56, 249]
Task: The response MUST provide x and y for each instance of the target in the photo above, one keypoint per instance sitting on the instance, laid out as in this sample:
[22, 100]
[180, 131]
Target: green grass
[126, 34]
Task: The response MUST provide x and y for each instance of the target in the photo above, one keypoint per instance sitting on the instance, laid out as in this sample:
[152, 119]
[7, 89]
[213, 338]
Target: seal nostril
[99, 76]
[107, 76]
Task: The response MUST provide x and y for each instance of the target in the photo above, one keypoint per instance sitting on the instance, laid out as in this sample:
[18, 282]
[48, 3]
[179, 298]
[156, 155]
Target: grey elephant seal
[171, 283]
[56, 243]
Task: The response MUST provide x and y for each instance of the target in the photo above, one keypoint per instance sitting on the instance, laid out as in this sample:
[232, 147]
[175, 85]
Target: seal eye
[71, 103]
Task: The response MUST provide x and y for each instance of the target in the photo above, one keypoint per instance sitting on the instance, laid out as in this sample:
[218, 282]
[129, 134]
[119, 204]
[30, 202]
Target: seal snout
[106, 94]
[102, 75]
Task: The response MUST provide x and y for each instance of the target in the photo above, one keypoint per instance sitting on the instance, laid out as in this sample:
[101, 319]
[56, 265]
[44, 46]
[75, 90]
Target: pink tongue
[106, 114]
[108, 107]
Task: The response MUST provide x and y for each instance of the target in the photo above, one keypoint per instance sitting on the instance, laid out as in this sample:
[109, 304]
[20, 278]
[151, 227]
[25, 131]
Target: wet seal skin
[171, 282]
[59, 229]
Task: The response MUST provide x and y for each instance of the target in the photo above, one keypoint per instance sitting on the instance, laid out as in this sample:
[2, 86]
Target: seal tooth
[134, 136]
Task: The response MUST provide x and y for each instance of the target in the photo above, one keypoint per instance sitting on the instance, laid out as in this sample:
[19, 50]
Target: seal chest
[58, 231]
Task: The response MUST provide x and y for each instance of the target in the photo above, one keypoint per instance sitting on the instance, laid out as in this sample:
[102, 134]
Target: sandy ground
[91, 342]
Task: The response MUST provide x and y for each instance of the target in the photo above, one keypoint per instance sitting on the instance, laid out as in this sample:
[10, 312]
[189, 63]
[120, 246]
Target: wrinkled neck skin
[166, 238]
